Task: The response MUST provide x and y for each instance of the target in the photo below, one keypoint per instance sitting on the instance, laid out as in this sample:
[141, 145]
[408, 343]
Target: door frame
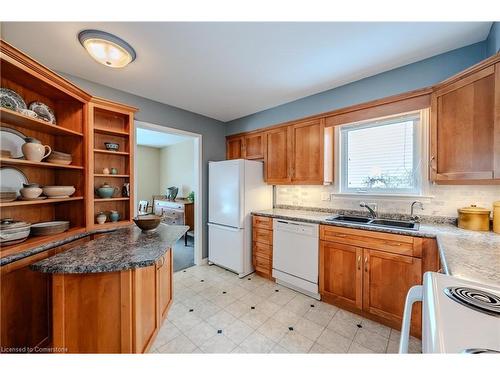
[197, 169]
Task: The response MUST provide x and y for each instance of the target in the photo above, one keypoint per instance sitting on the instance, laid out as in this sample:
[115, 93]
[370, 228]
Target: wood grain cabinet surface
[234, 148]
[277, 156]
[465, 128]
[370, 273]
[262, 249]
[253, 146]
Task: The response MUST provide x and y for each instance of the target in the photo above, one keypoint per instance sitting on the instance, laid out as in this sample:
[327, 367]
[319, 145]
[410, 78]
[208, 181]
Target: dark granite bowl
[147, 222]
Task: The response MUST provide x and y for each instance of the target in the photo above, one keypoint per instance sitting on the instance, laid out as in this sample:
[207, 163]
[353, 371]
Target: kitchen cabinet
[165, 272]
[370, 273]
[234, 148]
[342, 275]
[262, 245]
[465, 127]
[277, 156]
[306, 159]
[253, 146]
[26, 302]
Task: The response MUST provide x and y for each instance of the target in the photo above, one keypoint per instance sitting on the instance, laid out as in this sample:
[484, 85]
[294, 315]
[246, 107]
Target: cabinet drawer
[392, 243]
[262, 264]
[263, 250]
[263, 236]
[263, 222]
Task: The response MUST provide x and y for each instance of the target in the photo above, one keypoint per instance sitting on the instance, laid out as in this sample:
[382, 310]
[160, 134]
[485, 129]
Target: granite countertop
[465, 254]
[122, 249]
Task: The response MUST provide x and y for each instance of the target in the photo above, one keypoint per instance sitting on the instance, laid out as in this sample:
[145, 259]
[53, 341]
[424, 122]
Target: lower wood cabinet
[341, 276]
[26, 303]
[373, 282]
[165, 285]
[262, 249]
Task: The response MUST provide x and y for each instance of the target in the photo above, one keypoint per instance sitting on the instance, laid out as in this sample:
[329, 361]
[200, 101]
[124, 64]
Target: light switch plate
[325, 196]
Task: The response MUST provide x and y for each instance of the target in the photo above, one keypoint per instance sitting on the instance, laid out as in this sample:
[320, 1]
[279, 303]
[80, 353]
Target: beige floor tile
[346, 315]
[319, 317]
[218, 344]
[221, 320]
[167, 332]
[278, 349]
[238, 350]
[333, 341]
[319, 349]
[237, 331]
[257, 343]
[251, 299]
[237, 309]
[286, 317]
[181, 344]
[343, 326]
[372, 341]
[187, 321]
[223, 300]
[267, 307]
[298, 305]
[273, 329]
[414, 346]
[264, 291]
[294, 342]
[376, 327]
[308, 329]
[200, 333]
[395, 335]
[254, 318]
[281, 298]
[359, 349]
[236, 291]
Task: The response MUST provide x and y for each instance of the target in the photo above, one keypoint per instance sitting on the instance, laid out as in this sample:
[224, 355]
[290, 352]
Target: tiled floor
[216, 312]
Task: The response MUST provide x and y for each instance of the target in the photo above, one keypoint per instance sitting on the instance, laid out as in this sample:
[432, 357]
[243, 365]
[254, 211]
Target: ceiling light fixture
[107, 48]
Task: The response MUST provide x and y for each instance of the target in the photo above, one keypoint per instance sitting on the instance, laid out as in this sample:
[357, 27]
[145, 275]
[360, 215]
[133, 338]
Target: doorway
[171, 158]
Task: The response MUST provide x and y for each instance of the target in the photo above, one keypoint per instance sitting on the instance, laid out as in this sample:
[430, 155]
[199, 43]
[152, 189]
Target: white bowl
[58, 191]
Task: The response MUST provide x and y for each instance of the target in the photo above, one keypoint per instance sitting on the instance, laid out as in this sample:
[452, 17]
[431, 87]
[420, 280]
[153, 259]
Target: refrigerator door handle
[225, 227]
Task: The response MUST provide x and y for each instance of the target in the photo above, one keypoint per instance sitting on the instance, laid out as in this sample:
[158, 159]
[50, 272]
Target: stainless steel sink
[399, 224]
[350, 219]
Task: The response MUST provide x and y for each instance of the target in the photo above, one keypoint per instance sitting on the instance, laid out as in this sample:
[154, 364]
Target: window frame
[419, 150]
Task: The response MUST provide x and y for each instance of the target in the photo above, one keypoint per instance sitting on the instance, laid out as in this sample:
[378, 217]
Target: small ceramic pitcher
[33, 150]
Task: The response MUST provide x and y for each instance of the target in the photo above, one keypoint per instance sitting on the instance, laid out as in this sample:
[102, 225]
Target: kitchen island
[110, 295]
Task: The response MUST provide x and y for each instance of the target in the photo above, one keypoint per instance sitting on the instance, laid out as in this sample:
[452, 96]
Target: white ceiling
[229, 70]
[151, 138]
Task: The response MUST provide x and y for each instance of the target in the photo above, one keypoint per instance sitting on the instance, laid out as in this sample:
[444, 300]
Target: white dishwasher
[295, 255]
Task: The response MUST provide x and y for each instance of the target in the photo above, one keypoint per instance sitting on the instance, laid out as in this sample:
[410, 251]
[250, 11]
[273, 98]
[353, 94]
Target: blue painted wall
[493, 40]
[409, 77]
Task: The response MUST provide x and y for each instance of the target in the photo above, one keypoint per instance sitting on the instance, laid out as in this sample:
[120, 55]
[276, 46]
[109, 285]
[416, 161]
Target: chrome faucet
[414, 217]
[372, 213]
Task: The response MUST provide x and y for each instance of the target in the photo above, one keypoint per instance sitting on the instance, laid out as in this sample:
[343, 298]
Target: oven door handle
[415, 294]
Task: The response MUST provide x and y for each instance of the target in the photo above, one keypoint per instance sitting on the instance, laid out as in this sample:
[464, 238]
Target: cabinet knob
[366, 264]
[359, 262]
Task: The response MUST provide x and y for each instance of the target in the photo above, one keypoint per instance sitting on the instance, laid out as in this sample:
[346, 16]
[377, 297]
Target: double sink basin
[397, 224]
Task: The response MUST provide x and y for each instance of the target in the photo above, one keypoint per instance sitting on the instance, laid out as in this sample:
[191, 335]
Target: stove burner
[476, 299]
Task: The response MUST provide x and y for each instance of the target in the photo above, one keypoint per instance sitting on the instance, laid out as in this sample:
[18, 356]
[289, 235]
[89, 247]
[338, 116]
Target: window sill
[382, 196]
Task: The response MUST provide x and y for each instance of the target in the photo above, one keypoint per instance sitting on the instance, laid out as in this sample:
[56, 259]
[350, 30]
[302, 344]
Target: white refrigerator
[235, 189]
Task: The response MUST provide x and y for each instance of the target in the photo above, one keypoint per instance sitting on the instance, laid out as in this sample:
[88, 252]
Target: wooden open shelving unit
[35, 82]
[110, 122]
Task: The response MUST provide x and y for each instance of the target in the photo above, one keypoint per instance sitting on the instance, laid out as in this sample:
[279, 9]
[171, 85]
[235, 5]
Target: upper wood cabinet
[234, 148]
[307, 152]
[253, 146]
[277, 156]
[465, 127]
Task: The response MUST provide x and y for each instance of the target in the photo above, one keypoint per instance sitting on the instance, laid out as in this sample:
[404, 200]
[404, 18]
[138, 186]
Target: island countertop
[465, 254]
[122, 249]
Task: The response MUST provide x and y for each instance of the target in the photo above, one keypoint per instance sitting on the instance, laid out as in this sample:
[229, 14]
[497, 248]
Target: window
[382, 156]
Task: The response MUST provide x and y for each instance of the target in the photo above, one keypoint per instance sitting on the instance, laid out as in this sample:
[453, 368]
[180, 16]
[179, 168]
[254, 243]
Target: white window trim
[422, 142]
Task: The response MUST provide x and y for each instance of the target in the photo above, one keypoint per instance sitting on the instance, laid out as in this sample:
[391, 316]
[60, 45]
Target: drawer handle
[366, 264]
[393, 243]
[359, 262]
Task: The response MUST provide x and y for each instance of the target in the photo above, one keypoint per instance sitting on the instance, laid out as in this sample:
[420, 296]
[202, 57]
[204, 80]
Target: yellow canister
[474, 218]
[496, 217]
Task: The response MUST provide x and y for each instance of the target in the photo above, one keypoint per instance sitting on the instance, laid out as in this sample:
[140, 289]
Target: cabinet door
[253, 146]
[234, 148]
[340, 274]
[464, 142]
[25, 308]
[307, 152]
[276, 156]
[387, 279]
[165, 284]
[146, 307]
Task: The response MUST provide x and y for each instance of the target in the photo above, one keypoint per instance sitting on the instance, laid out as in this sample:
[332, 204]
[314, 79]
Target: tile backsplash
[443, 200]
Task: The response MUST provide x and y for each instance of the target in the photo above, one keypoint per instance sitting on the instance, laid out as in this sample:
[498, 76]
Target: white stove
[458, 316]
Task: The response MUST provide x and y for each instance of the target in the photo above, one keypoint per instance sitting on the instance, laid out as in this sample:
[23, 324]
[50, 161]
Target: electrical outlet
[325, 196]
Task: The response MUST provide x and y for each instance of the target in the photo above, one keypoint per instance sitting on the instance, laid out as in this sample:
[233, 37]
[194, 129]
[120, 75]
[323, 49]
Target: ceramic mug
[35, 151]
[101, 218]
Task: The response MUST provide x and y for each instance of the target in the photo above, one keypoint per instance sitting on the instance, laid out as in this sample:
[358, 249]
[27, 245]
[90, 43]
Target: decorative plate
[12, 140]
[12, 179]
[43, 111]
[11, 100]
